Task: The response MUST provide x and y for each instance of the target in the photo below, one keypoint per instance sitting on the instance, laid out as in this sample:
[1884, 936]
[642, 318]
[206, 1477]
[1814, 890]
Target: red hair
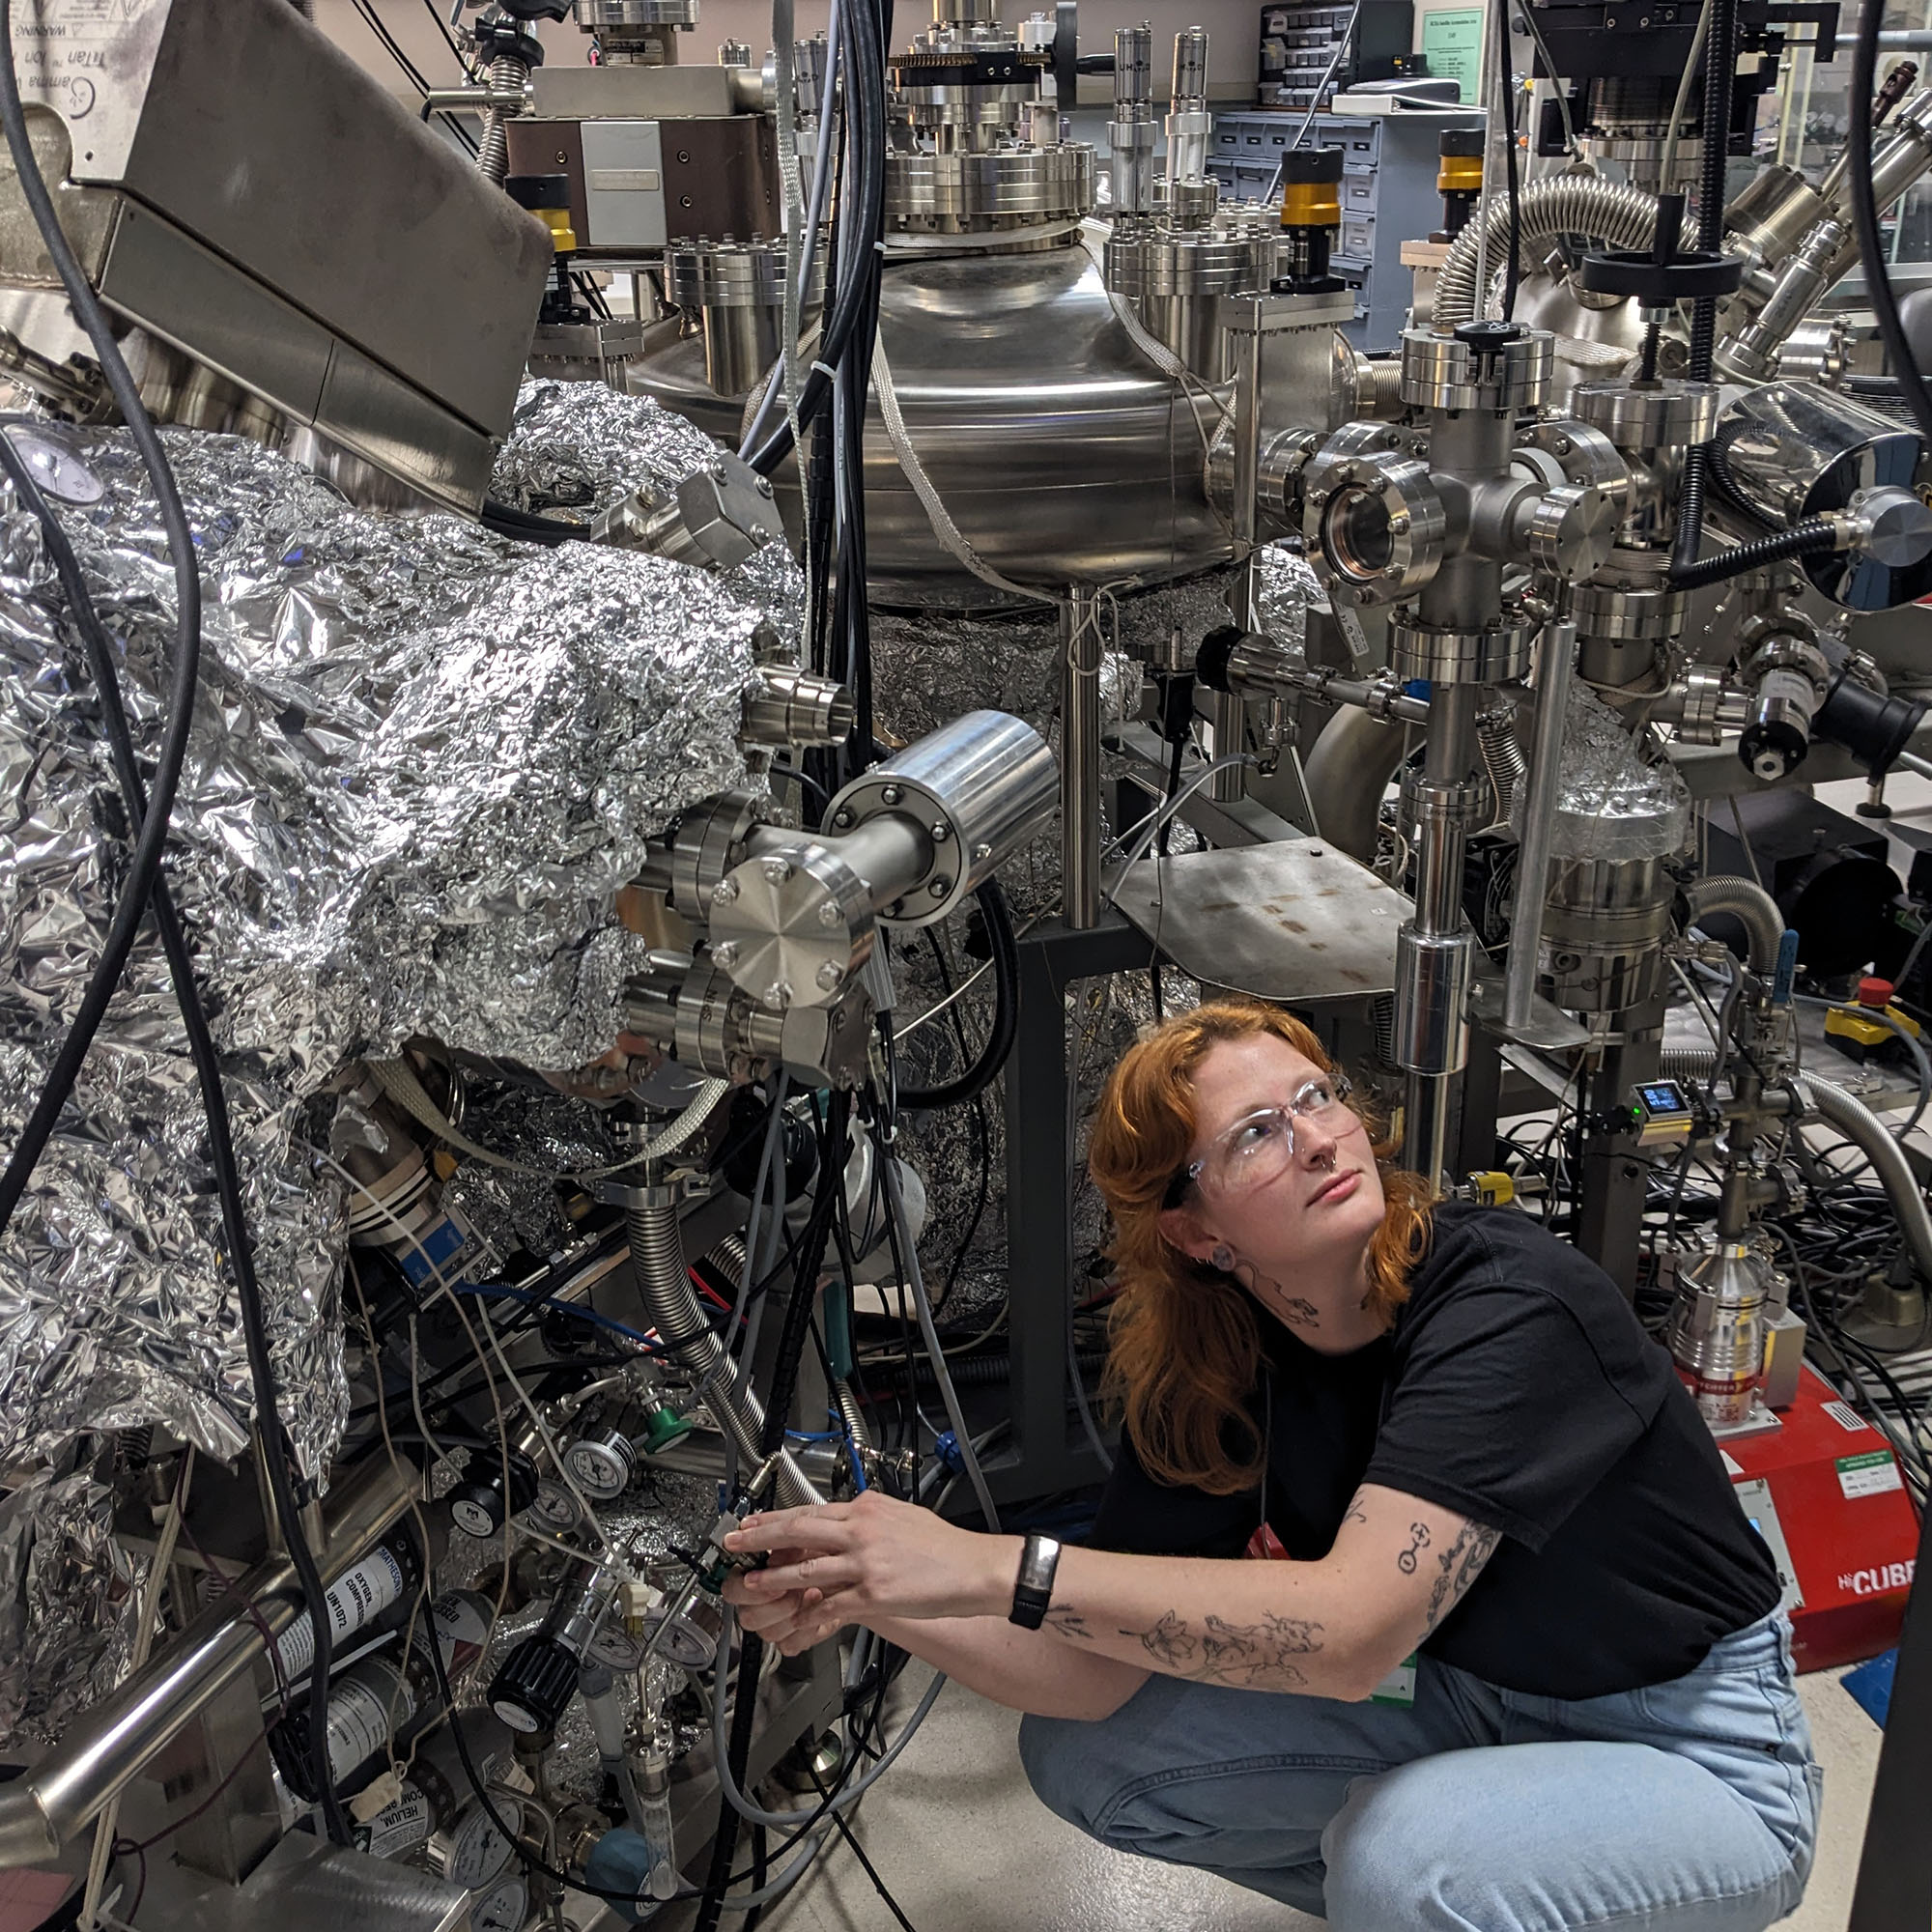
[1185, 1348]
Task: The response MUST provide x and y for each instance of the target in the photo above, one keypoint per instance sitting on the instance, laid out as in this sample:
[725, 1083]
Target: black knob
[538, 192]
[1486, 337]
[1461, 143]
[534, 1688]
[478, 1506]
[1311, 165]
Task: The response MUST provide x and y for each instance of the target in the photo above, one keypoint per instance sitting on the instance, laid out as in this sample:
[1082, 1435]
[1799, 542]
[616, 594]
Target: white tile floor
[965, 1847]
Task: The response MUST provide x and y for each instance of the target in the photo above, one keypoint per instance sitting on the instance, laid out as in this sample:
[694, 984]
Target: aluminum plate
[1296, 921]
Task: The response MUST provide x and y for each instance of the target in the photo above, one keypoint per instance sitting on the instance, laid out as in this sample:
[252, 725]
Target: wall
[1233, 27]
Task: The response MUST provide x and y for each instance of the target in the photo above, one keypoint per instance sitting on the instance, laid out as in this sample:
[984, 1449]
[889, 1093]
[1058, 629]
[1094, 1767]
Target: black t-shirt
[1518, 1389]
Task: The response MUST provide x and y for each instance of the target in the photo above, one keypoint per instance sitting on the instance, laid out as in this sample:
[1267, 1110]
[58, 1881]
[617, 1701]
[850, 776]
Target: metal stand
[1041, 1455]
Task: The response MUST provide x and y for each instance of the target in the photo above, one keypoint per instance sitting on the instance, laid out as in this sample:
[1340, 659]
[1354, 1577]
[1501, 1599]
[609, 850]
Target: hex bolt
[777, 995]
[777, 870]
[941, 832]
[829, 913]
[842, 817]
[829, 975]
[726, 952]
[940, 887]
[724, 891]
[890, 795]
[764, 486]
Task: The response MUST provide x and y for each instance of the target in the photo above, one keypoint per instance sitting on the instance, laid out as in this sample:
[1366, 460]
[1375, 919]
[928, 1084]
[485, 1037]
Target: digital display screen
[1663, 1096]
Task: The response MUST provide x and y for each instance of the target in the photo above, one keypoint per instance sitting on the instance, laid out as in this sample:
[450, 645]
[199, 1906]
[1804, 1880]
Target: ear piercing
[1223, 1257]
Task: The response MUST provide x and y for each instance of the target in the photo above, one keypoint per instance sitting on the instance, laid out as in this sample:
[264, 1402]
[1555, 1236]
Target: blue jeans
[1691, 1804]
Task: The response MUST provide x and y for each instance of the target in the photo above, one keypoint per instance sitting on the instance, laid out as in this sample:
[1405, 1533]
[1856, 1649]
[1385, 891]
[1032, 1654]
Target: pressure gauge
[555, 1508]
[56, 467]
[471, 1851]
[601, 1464]
[503, 1907]
[614, 1647]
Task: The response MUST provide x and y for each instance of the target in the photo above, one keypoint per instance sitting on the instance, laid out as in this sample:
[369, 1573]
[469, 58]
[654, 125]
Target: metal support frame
[1042, 1454]
[1610, 1221]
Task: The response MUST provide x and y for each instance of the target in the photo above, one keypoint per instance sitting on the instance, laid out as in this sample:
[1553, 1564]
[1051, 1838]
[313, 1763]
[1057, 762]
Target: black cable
[982, 1128]
[180, 970]
[866, 1863]
[505, 519]
[1513, 260]
[1810, 538]
[1864, 217]
[865, 74]
[981, 1074]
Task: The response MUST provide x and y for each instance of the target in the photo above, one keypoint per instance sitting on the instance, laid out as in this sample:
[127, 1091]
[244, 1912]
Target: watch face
[503, 1907]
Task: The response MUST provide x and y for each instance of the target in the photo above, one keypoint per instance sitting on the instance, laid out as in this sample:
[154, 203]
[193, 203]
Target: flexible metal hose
[507, 76]
[1502, 760]
[1624, 216]
[1857, 1122]
[1751, 906]
[657, 1261]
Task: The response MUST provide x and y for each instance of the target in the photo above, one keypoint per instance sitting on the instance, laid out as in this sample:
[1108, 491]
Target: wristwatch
[1034, 1591]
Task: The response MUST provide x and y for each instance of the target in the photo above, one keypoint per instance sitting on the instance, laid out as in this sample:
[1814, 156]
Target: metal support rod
[1080, 759]
[118, 1737]
[1555, 659]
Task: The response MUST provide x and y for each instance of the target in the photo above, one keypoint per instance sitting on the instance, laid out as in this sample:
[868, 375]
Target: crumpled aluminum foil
[1612, 804]
[425, 759]
[70, 1604]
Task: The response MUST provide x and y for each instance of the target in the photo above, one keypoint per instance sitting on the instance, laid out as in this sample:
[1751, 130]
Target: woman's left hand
[876, 1557]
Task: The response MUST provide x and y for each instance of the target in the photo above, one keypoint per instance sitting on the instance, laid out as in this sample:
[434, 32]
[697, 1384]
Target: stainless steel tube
[1080, 759]
[119, 1737]
[664, 1286]
[1555, 659]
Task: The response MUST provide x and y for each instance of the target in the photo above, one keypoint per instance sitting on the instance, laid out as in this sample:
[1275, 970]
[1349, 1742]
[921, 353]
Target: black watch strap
[1034, 1591]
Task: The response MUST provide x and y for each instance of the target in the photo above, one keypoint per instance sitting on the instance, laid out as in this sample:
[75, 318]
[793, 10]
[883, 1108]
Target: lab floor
[965, 1847]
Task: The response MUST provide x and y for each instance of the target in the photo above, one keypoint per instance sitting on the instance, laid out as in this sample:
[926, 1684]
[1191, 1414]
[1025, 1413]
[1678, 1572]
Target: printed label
[353, 1599]
[1869, 1476]
[398, 1826]
[1399, 1685]
[1877, 1581]
[358, 1723]
[1847, 1417]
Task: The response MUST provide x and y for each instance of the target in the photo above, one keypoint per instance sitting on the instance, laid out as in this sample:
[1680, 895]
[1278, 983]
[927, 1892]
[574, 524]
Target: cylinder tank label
[353, 1599]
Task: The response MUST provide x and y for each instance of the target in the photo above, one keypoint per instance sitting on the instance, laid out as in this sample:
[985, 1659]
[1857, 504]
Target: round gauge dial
[503, 1907]
[474, 1851]
[56, 469]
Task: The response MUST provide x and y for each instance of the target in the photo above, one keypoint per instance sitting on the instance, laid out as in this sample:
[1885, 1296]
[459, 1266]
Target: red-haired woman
[1518, 1663]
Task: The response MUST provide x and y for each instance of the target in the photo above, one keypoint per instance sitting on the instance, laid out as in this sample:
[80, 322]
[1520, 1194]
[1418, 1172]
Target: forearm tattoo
[1457, 1568]
[1405, 1562]
[1253, 1656]
[1070, 1623]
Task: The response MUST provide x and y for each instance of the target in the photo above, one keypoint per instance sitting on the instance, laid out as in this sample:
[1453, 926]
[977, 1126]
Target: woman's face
[1318, 1207]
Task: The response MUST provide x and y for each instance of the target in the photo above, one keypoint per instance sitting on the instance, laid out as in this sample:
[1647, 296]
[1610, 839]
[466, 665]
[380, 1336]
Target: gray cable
[773, 1136]
[1922, 1062]
[895, 1205]
[1527, 14]
[755, 1813]
[1669, 162]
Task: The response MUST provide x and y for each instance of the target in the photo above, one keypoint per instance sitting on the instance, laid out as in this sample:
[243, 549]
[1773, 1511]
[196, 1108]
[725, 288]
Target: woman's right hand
[784, 1620]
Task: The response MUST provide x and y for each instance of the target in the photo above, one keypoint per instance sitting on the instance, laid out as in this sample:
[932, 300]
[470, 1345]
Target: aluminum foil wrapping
[424, 760]
[70, 1604]
[1286, 588]
[1612, 804]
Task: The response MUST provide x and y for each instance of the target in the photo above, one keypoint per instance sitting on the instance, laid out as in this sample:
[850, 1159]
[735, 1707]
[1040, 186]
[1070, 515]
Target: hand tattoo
[1473, 1546]
[1405, 1562]
[1070, 1623]
[1248, 1655]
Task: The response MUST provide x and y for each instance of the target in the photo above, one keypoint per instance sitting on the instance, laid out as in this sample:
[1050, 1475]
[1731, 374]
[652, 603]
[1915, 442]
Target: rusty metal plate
[1296, 922]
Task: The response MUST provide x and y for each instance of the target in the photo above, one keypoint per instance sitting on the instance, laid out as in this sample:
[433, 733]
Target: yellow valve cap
[1493, 1188]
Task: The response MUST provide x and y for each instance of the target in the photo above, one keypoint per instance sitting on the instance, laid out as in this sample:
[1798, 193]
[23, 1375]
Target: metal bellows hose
[1751, 906]
[657, 1262]
[1857, 1122]
[1624, 216]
